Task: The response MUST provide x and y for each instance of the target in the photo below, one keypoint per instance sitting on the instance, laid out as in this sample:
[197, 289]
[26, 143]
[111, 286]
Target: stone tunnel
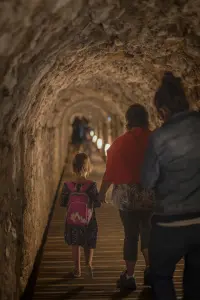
[63, 58]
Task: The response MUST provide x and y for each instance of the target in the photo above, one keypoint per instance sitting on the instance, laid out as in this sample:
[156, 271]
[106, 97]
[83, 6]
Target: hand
[102, 198]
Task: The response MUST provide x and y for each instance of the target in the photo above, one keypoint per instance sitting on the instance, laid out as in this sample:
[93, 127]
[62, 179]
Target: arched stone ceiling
[88, 107]
[116, 49]
[83, 107]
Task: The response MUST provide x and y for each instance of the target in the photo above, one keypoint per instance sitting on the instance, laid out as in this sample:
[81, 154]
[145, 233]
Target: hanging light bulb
[94, 139]
[107, 146]
[91, 133]
[99, 143]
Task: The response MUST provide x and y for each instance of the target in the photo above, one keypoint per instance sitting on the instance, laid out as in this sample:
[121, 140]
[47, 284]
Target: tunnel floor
[52, 281]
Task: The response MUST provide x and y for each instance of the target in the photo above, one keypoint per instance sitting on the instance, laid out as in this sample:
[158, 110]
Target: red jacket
[125, 157]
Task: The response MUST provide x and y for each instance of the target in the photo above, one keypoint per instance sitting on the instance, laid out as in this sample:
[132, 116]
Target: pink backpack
[78, 212]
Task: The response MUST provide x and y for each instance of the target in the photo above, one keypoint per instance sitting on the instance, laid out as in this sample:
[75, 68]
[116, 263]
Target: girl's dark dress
[82, 236]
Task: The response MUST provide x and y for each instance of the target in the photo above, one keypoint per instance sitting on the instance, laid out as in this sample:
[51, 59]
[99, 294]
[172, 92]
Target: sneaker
[90, 272]
[126, 283]
[75, 274]
[147, 277]
[119, 280]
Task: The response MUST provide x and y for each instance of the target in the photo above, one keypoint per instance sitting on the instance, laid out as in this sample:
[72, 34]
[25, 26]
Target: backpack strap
[71, 187]
[86, 186]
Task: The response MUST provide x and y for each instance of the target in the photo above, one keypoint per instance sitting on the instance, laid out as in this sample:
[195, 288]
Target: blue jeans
[167, 246]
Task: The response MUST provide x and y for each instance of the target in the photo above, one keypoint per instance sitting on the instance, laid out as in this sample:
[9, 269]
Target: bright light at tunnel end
[99, 143]
[107, 146]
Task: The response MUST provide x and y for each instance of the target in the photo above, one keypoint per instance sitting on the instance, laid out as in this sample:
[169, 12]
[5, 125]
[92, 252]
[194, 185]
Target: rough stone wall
[60, 57]
[29, 177]
[9, 220]
[40, 186]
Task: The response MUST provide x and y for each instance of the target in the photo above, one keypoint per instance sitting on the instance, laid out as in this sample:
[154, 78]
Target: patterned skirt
[82, 236]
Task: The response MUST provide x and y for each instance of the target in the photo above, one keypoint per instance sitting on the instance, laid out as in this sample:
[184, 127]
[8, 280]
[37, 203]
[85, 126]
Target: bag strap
[84, 188]
[71, 187]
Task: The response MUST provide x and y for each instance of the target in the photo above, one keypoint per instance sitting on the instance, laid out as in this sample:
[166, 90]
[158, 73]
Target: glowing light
[94, 139]
[91, 133]
[99, 143]
[107, 146]
[109, 118]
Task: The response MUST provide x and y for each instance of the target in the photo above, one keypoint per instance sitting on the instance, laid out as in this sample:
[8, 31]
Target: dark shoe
[124, 283]
[75, 274]
[147, 277]
[90, 272]
[119, 280]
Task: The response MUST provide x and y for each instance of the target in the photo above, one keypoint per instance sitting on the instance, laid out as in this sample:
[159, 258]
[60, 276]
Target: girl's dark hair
[80, 164]
[136, 116]
[171, 94]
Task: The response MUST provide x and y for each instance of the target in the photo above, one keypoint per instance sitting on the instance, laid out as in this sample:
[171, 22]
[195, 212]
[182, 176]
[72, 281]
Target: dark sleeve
[151, 168]
[64, 196]
[93, 194]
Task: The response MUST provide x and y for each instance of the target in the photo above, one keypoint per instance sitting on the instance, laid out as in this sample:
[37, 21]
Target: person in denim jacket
[172, 169]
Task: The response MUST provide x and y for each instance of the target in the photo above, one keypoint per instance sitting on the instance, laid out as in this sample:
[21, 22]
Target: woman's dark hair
[81, 164]
[136, 116]
[171, 94]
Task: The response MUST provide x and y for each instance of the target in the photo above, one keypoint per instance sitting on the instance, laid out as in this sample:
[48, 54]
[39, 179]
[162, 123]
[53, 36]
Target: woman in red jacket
[124, 162]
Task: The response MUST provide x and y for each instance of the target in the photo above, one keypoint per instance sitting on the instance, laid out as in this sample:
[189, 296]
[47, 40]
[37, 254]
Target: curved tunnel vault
[60, 58]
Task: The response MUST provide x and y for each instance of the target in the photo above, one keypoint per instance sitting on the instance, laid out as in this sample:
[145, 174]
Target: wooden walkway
[52, 282]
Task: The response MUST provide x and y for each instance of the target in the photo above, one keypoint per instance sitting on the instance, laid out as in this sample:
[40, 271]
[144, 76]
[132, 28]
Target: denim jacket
[172, 165]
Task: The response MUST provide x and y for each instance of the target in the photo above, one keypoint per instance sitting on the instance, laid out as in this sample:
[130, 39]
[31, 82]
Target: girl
[80, 196]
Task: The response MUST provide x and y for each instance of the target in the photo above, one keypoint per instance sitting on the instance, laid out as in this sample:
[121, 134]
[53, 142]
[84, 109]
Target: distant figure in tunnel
[87, 139]
[77, 134]
[80, 196]
[172, 169]
[124, 163]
